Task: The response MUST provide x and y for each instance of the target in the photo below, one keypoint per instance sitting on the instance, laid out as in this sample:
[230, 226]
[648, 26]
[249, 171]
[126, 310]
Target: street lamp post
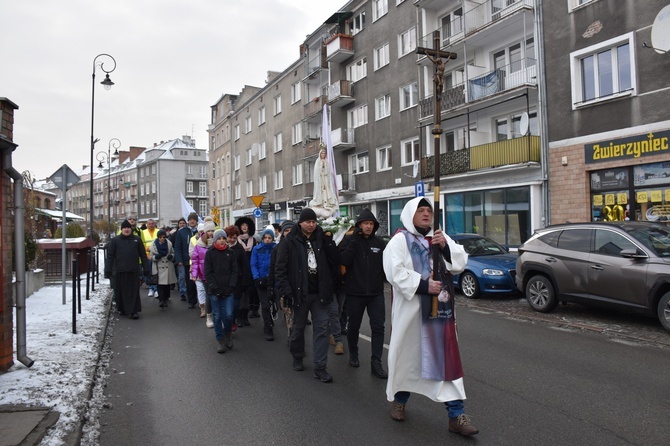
[107, 83]
[102, 156]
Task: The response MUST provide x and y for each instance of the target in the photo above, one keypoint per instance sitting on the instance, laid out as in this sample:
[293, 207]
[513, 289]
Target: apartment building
[362, 65]
[607, 106]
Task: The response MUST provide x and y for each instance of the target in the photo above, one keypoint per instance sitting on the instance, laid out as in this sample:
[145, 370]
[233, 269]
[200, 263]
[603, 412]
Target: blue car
[491, 268]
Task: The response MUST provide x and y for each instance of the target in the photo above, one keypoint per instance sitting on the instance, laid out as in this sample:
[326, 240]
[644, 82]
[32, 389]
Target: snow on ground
[64, 363]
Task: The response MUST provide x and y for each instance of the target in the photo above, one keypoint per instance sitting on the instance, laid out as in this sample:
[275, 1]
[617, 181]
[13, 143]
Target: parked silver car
[619, 265]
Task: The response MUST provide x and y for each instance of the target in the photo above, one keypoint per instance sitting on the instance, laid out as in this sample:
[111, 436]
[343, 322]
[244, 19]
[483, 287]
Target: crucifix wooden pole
[438, 57]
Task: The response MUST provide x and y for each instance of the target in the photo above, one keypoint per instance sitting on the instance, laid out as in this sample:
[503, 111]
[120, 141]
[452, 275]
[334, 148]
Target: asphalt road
[529, 380]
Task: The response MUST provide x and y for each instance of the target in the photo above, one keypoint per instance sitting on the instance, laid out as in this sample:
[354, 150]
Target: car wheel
[540, 294]
[664, 311]
[469, 285]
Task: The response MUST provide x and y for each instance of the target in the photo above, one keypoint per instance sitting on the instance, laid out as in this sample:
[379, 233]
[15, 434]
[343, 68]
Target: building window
[202, 189]
[250, 188]
[261, 116]
[297, 174]
[382, 107]
[238, 191]
[279, 179]
[410, 151]
[574, 4]
[384, 160]
[248, 155]
[452, 25]
[357, 22]
[236, 162]
[295, 92]
[141, 190]
[261, 150]
[263, 184]
[506, 131]
[236, 132]
[203, 207]
[203, 171]
[213, 170]
[603, 71]
[357, 70]
[296, 134]
[247, 124]
[359, 163]
[189, 186]
[409, 96]
[277, 103]
[379, 9]
[141, 208]
[277, 143]
[407, 42]
[381, 56]
[357, 116]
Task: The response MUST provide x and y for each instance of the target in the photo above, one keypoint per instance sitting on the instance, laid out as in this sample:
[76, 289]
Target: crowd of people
[234, 275]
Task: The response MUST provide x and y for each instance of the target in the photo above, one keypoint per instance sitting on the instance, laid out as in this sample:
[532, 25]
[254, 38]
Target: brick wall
[6, 229]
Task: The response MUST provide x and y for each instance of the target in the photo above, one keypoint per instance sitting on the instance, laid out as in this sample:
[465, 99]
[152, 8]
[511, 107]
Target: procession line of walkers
[232, 277]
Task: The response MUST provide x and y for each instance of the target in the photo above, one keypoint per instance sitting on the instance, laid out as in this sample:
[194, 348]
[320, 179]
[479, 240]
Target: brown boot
[398, 411]
[203, 313]
[461, 425]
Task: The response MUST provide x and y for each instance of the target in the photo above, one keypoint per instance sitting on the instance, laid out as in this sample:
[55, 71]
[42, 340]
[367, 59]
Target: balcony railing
[486, 156]
[342, 138]
[339, 47]
[340, 93]
[315, 106]
[483, 85]
[473, 20]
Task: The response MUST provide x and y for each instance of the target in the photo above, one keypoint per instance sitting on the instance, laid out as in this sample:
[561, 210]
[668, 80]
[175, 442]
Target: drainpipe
[542, 112]
[20, 256]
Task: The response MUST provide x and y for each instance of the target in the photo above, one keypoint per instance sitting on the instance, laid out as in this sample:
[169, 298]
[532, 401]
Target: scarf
[162, 248]
[440, 358]
[220, 247]
[246, 241]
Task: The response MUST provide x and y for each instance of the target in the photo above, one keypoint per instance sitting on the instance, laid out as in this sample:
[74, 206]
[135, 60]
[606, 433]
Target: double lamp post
[107, 83]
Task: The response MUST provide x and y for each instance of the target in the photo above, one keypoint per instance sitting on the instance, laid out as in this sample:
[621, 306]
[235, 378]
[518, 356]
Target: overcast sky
[175, 58]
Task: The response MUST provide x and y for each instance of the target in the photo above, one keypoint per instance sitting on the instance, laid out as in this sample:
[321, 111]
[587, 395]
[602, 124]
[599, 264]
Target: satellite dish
[660, 31]
[523, 125]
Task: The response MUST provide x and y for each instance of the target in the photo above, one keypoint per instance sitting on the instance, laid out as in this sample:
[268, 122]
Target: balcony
[312, 147]
[339, 47]
[474, 20]
[342, 138]
[314, 106]
[340, 93]
[314, 66]
[525, 149]
[483, 84]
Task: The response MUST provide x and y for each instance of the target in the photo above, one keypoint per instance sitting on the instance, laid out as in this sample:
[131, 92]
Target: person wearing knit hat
[197, 270]
[124, 253]
[307, 214]
[161, 254]
[221, 278]
[308, 292]
[260, 265]
[208, 226]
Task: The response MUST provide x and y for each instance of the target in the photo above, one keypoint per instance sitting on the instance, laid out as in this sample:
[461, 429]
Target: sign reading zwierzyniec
[654, 143]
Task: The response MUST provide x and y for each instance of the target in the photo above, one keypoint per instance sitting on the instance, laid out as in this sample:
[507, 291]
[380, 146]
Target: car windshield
[656, 238]
[481, 246]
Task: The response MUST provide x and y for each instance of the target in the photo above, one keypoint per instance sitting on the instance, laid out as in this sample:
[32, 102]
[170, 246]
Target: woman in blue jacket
[260, 266]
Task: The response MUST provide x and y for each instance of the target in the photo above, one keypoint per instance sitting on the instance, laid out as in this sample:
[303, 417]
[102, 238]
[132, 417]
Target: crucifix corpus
[439, 59]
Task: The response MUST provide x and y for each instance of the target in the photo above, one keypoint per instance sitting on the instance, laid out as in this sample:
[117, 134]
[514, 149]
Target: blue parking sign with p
[419, 189]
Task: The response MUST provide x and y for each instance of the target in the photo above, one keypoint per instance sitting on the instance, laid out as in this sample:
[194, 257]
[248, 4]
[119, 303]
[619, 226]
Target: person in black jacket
[306, 273]
[221, 277]
[362, 256]
[125, 254]
[285, 228]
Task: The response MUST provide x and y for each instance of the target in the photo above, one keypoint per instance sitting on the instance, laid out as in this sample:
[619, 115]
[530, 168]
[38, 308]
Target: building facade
[609, 123]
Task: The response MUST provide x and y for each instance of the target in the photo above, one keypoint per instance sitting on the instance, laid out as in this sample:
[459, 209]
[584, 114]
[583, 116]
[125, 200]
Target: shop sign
[627, 148]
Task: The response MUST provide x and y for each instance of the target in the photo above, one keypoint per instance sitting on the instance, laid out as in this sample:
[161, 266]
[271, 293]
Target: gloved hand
[158, 256]
[287, 301]
[328, 235]
[260, 283]
[358, 232]
[170, 257]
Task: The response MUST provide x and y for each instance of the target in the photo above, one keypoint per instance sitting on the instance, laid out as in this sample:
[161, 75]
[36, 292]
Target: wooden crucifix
[439, 59]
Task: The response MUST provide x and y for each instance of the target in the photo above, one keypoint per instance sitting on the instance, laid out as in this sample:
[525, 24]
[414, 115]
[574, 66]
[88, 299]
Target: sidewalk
[49, 402]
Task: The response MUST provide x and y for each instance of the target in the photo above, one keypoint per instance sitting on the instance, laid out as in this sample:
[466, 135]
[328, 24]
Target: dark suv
[620, 265]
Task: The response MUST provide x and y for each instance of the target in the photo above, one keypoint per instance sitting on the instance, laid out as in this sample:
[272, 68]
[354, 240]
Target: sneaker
[298, 365]
[233, 328]
[461, 425]
[323, 375]
[150, 293]
[378, 370]
[398, 411]
[339, 349]
[209, 323]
